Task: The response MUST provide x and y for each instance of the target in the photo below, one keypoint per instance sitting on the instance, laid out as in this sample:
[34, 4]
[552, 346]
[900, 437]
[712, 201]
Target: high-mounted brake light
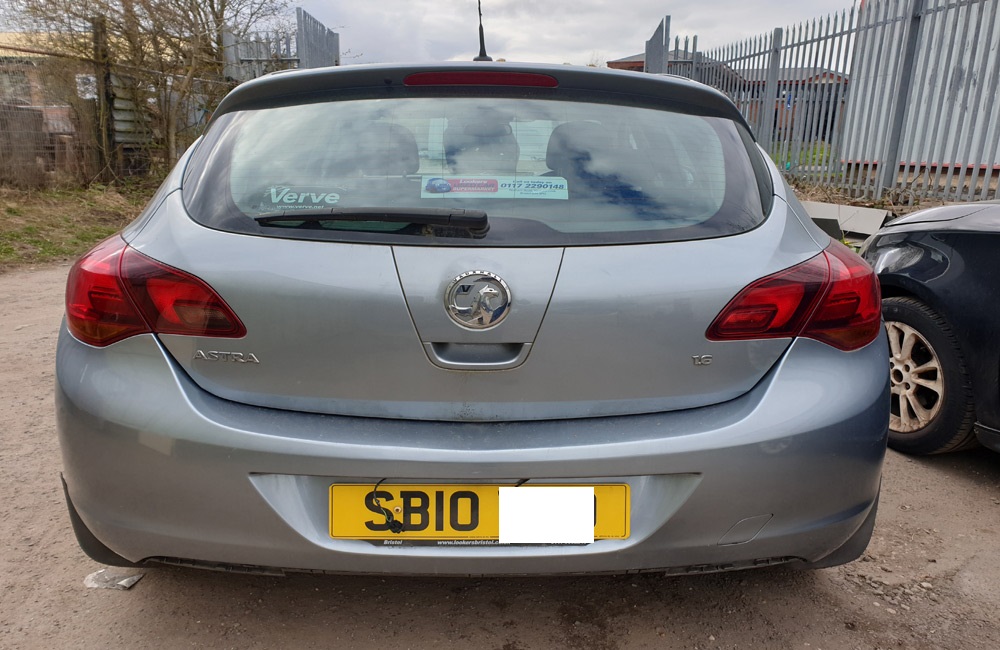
[833, 297]
[474, 78]
[115, 292]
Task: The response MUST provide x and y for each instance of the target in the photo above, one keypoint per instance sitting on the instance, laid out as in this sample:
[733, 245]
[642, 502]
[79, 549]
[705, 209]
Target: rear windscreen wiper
[474, 221]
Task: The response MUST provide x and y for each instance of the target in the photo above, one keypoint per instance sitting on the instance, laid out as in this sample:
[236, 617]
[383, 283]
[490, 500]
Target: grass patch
[42, 226]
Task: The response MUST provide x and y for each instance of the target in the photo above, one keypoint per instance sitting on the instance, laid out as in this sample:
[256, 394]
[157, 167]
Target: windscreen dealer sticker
[494, 187]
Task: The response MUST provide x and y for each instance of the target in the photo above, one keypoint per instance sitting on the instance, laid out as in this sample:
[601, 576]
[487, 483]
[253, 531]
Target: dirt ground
[930, 579]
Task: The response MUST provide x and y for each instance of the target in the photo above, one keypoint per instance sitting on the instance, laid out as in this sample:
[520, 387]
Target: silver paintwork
[214, 480]
[760, 434]
[582, 315]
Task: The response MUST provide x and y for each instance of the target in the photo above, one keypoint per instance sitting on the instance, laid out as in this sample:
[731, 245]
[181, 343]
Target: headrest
[384, 148]
[571, 144]
[489, 145]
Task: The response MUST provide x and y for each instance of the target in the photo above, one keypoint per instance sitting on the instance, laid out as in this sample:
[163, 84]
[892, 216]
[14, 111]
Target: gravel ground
[930, 579]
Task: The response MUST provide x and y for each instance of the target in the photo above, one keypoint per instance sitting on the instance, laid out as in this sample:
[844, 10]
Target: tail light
[115, 292]
[833, 297]
[98, 311]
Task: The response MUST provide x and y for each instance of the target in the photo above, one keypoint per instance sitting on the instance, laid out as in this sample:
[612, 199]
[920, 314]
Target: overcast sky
[551, 31]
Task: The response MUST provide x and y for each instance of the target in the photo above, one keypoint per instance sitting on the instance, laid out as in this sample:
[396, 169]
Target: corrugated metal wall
[318, 46]
[945, 129]
[312, 45]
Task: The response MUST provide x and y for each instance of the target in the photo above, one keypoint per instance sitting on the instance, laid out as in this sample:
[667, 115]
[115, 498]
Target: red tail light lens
[851, 312]
[175, 302]
[115, 292]
[833, 297]
[98, 311]
[775, 306]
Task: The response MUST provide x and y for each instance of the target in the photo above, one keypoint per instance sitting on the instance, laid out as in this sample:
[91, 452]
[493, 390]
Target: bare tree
[169, 51]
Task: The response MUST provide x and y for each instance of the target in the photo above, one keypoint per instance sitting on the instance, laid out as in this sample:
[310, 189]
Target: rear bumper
[157, 468]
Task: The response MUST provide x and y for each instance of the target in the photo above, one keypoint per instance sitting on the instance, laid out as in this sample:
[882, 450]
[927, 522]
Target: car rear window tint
[547, 172]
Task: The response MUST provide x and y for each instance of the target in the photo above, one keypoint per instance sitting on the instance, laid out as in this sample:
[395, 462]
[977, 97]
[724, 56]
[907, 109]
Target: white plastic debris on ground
[111, 578]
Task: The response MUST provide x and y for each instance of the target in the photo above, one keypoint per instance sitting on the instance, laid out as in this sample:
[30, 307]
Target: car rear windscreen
[545, 171]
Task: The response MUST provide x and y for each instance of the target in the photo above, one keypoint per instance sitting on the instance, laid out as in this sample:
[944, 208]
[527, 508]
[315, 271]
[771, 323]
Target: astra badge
[218, 355]
[477, 299]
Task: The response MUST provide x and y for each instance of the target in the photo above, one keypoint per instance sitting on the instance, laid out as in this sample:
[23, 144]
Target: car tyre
[931, 410]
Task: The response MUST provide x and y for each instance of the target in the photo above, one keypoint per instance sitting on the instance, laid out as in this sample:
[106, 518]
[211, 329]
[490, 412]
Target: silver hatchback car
[473, 319]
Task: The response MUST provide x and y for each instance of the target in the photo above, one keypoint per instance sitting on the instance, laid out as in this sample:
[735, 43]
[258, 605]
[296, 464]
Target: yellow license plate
[451, 512]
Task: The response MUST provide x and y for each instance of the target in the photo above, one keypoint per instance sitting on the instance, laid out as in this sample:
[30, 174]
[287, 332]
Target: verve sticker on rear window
[290, 200]
[494, 187]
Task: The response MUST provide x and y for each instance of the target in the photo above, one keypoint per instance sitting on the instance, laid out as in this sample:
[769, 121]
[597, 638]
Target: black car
[940, 276]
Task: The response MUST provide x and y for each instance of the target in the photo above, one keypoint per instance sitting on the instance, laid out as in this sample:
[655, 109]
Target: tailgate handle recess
[477, 356]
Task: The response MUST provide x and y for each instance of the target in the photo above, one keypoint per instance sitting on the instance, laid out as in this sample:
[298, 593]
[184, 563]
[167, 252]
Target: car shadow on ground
[510, 613]
[976, 467]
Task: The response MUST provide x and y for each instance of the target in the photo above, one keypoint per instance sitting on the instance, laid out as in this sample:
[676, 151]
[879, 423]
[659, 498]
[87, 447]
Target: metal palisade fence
[893, 99]
[312, 45]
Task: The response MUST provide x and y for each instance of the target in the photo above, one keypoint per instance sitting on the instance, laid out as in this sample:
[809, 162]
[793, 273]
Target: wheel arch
[900, 286]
